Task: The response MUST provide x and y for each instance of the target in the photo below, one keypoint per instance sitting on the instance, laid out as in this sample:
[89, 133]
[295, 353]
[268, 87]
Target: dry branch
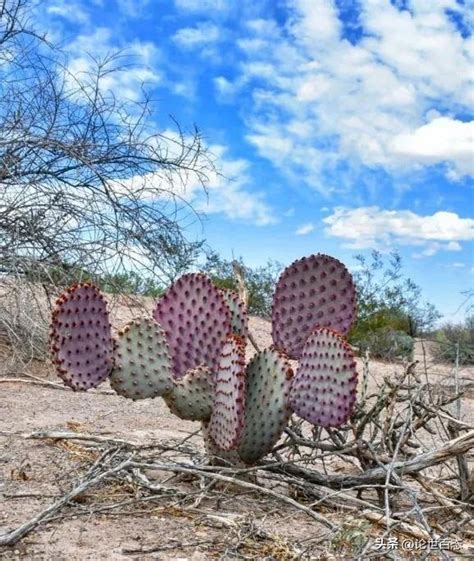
[447, 451]
[238, 483]
[464, 479]
[60, 435]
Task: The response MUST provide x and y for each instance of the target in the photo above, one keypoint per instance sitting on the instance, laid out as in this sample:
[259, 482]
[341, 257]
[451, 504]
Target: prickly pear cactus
[196, 321]
[217, 456]
[239, 316]
[228, 407]
[192, 395]
[316, 291]
[142, 361]
[192, 353]
[269, 379]
[81, 337]
[324, 389]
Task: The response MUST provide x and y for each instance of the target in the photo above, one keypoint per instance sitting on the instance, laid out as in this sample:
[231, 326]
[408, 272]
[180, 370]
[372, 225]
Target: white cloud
[185, 88]
[372, 227]
[443, 139]
[203, 6]
[318, 99]
[71, 11]
[304, 229]
[228, 191]
[201, 34]
[432, 248]
[225, 89]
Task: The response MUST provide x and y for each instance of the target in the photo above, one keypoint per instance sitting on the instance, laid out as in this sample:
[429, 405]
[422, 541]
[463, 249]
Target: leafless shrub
[23, 325]
[88, 184]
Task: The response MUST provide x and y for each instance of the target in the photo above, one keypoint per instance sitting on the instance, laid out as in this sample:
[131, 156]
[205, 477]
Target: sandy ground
[33, 473]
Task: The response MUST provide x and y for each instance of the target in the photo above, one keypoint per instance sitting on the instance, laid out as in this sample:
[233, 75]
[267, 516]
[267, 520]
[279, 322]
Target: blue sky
[339, 126]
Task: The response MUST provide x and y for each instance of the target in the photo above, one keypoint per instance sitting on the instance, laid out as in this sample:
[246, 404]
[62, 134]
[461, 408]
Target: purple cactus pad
[324, 389]
[228, 409]
[81, 337]
[316, 291]
[196, 321]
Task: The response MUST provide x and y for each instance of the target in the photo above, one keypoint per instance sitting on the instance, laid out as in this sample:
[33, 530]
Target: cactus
[324, 388]
[142, 361]
[269, 377]
[192, 353]
[316, 291]
[217, 456]
[81, 337]
[191, 396]
[228, 408]
[239, 316]
[196, 321]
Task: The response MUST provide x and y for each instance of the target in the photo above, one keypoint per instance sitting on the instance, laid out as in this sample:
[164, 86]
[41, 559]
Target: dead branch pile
[399, 471]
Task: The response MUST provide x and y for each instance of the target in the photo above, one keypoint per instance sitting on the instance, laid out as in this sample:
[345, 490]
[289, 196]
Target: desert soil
[35, 472]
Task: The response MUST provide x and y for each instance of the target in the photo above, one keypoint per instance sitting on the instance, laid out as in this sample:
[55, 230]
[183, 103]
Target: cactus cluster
[192, 354]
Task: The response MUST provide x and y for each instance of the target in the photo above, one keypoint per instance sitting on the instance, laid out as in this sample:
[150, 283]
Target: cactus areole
[192, 354]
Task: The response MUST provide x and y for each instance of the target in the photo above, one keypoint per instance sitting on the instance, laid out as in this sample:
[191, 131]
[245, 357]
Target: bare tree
[87, 183]
[85, 179]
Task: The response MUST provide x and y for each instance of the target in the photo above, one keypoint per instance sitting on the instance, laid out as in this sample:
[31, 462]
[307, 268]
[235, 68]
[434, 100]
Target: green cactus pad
[142, 362]
[81, 342]
[196, 320]
[238, 310]
[316, 291]
[269, 377]
[191, 396]
[228, 406]
[325, 385]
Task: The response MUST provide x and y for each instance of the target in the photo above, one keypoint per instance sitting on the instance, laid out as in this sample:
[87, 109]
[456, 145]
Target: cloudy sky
[340, 126]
